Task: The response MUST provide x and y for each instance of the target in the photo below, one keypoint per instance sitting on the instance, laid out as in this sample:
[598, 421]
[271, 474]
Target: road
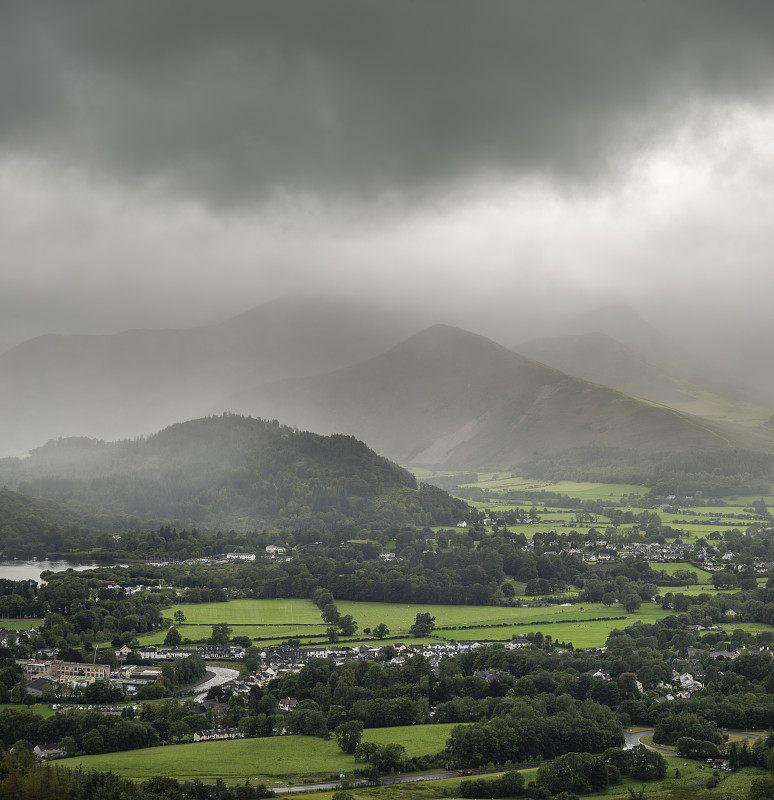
[433, 776]
[307, 787]
[222, 675]
[633, 739]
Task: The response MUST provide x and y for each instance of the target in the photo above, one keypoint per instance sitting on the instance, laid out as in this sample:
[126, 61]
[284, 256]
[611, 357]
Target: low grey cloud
[494, 164]
[235, 102]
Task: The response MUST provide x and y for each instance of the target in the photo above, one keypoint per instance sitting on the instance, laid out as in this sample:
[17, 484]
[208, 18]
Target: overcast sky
[174, 162]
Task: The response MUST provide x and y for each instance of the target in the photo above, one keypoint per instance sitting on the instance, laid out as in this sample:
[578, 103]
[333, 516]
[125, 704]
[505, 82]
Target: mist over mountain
[602, 359]
[520, 170]
[229, 472]
[688, 363]
[452, 399]
[134, 383]
[443, 397]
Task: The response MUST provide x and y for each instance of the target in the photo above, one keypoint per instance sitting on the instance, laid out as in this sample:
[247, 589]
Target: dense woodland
[229, 472]
[717, 473]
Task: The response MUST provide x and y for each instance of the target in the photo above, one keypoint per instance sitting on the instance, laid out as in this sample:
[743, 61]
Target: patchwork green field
[262, 634]
[747, 627]
[499, 483]
[21, 624]
[243, 614]
[250, 612]
[276, 760]
[693, 526]
[399, 617]
[583, 624]
[690, 785]
[674, 566]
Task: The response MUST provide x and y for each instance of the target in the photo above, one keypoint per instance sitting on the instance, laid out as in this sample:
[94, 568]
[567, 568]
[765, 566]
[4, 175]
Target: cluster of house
[601, 550]
[686, 672]
[707, 557]
[273, 553]
[208, 651]
[7, 635]
[276, 663]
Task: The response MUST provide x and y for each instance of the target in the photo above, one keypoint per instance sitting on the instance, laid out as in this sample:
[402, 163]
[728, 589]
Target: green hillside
[233, 472]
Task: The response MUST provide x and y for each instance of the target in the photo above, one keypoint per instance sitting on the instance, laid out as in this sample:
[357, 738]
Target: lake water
[30, 570]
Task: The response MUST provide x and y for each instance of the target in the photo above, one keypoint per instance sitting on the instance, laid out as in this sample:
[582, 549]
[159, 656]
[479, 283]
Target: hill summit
[451, 399]
[233, 472]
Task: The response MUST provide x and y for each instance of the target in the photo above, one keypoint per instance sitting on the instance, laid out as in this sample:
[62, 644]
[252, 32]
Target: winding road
[633, 738]
[221, 675]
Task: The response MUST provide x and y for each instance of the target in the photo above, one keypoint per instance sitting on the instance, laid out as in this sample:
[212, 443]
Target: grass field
[500, 483]
[398, 617]
[21, 624]
[235, 763]
[705, 521]
[275, 760]
[689, 786]
[43, 711]
[670, 568]
[579, 623]
[264, 634]
[251, 612]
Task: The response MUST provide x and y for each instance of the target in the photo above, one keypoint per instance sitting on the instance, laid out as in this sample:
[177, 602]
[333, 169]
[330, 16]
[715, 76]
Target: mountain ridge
[137, 381]
[449, 398]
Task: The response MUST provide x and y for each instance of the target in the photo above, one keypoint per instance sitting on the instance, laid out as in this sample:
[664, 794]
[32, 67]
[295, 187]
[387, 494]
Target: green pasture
[274, 760]
[499, 482]
[399, 617]
[41, 710]
[720, 512]
[696, 588]
[691, 785]
[674, 566]
[419, 740]
[264, 634]
[748, 500]
[703, 522]
[578, 623]
[21, 624]
[271, 611]
[731, 625]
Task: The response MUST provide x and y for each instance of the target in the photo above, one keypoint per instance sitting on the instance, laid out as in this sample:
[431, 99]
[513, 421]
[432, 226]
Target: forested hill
[232, 472]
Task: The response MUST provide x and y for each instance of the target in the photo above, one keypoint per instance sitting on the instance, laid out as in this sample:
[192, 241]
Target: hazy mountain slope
[232, 472]
[625, 325]
[600, 358]
[136, 382]
[446, 397]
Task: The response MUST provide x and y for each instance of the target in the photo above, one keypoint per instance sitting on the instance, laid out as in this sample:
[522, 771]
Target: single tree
[347, 625]
[381, 630]
[221, 634]
[423, 624]
[173, 637]
[348, 735]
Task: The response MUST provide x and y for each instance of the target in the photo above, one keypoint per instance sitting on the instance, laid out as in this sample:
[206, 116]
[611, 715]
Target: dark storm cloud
[238, 101]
